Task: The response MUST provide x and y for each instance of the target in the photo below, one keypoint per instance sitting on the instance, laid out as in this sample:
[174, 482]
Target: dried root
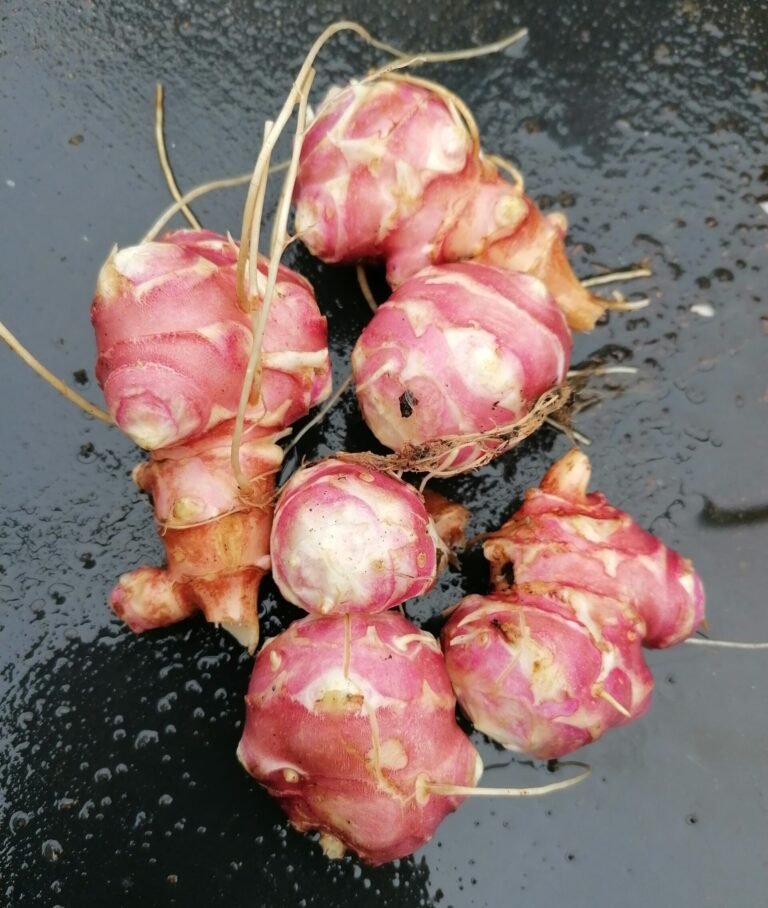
[438, 458]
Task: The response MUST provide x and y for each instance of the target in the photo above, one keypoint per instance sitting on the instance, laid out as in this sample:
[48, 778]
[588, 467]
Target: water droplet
[165, 800]
[19, 820]
[705, 310]
[145, 737]
[52, 850]
[102, 775]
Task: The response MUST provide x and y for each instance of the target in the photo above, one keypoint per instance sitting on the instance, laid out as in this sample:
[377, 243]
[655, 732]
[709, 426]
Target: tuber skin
[561, 534]
[216, 539]
[349, 539]
[545, 668]
[174, 343]
[459, 349]
[390, 171]
[348, 721]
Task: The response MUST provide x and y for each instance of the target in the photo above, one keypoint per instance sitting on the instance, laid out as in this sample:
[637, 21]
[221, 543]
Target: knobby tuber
[562, 534]
[350, 721]
[173, 345]
[553, 657]
[458, 350]
[392, 169]
[348, 539]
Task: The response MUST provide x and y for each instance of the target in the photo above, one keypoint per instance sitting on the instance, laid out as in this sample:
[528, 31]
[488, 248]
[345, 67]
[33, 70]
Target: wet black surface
[646, 122]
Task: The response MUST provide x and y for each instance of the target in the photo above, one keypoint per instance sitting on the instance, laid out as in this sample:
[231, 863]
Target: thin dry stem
[435, 457]
[443, 56]
[614, 277]
[202, 189]
[604, 695]
[510, 168]
[725, 644]
[365, 287]
[252, 380]
[321, 414]
[437, 788]
[570, 433]
[197, 191]
[165, 164]
[467, 53]
[72, 396]
[619, 304]
[603, 370]
[379, 72]
[248, 253]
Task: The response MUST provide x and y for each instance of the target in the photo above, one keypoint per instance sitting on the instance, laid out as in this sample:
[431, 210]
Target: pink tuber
[351, 725]
[546, 668]
[553, 658]
[561, 534]
[173, 342]
[216, 538]
[173, 346]
[391, 169]
[349, 539]
[459, 349]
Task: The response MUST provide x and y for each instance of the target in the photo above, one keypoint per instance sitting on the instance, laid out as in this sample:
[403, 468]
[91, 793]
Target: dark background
[646, 123]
